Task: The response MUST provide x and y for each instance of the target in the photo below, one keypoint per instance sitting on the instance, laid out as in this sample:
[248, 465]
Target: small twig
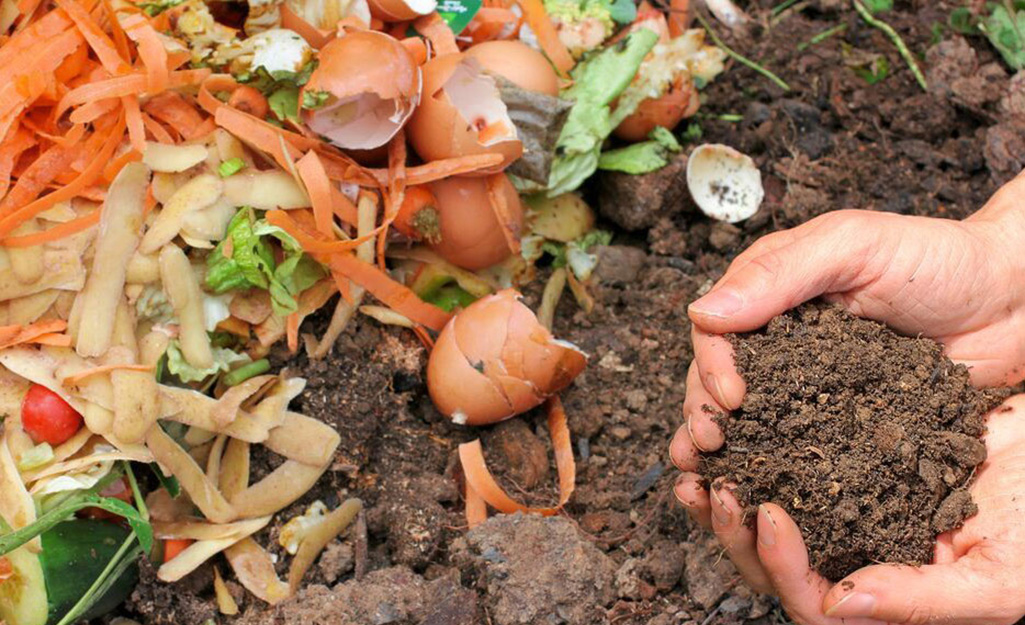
[819, 38]
[902, 47]
[740, 58]
[783, 6]
[360, 547]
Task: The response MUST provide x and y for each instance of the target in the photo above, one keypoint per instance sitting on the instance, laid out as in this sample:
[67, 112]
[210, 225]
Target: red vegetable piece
[47, 418]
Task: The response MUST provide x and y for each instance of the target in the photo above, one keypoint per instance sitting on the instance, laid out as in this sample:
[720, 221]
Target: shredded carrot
[118, 33]
[480, 480]
[393, 294]
[33, 180]
[92, 111]
[292, 332]
[396, 190]
[537, 18]
[55, 233]
[134, 123]
[10, 151]
[174, 110]
[128, 84]
[424, 337]
[104, 47]
[19, 334]
[503, 212]
[318, 187]
[73, 65]
[476, 508]
[157, 131]
[257, 133]
[75, 378]
[53, 340]
[311, 243]
[234, 325]
[438, 33]
[444, 168]
[343, 207]
[37, 75]
[43, 29]
[83, 180]
[113, 168]
[151, 52]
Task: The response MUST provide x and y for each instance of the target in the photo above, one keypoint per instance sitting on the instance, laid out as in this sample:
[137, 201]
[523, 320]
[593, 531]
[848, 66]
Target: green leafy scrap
[873, 72]
[231, 167]
[154, 9]
[643, 157]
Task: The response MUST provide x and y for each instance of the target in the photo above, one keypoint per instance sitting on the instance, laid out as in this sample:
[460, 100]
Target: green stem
[740, 58]
[783, 6]
[140, 501]
[888, 30]
[246, 371]
[124, 558]
[819, 38]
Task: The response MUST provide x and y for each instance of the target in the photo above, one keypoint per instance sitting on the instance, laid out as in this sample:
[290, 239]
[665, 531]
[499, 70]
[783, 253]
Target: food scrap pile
[183, 183]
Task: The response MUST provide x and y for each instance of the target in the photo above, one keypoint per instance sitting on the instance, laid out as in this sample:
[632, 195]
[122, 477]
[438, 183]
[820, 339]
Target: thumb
[968, 589]
[827, 254]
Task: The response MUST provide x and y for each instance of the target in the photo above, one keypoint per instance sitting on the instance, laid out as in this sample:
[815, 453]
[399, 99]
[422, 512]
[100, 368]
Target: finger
[716, 368]
[832, 256]
[734, 534]
[969, 589]
[785, 558]
[699, 408]
[682, 451]
[693, 496]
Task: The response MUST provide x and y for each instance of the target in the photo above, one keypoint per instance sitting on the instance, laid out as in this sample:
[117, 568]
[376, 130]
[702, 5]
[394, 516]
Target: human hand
[976, 576]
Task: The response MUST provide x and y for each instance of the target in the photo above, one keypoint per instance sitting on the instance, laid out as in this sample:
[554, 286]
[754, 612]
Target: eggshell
[725, 184]
[666, 111]
[495, 360]
[518, 63]
[401, 10]
[471, 236]
[370, 100]
[454, 84]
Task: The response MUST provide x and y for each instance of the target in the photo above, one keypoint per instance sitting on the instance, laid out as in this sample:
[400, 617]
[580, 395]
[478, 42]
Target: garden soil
[624, 553]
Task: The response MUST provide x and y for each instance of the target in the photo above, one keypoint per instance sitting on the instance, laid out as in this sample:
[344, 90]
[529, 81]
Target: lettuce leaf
[597, 82]
[223, 361]
[246, 258]
[644, 157]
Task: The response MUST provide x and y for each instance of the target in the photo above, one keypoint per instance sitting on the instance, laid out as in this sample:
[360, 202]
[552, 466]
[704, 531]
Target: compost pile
[867, 438]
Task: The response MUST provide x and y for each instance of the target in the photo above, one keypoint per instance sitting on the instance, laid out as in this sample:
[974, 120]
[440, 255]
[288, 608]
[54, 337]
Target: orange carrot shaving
[111, 170]
[424, 337]
[102, 45]
[438, 33]
[33, 180]
[393, 294]
[259, 134]
[10, 151]
[174, 110]
[480, 480]
[119, 86]
[53, 340]
[19, 334]
[118, 33]
[72, 65]
[37, 75]
[313, 35]
[343, 207]
[396, 189]
[151, 52]
[75, 378]
[234, 325]
[537, 18]
[158, 132]
[680, 17]
[83, 180]
[92, 111]
[43, 29]
[318, 187]
[503, 213]
[436, 170]
[133, 120]
[311, 243]
[292, 332]
[57, 232]
[476, 508]
[249, 100]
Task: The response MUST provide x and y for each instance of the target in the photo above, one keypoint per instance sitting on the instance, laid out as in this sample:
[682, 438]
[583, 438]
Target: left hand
[976, 577]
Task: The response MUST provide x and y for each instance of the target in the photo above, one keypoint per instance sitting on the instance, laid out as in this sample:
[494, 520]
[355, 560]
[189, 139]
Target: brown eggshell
[471, 236]
[437, 130]
[495, 360]
[518, 63]
[399, 10]
[666, 111]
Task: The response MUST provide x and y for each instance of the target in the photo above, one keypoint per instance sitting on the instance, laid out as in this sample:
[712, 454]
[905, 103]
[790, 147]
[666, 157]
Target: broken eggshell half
[367, 101]
[462, 114]
[401, 10]
[469, 232]
[725, 184]
[494, 360]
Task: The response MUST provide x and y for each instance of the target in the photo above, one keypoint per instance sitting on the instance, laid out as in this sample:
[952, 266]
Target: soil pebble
[866, 438]
[636, 202]
[534, 569]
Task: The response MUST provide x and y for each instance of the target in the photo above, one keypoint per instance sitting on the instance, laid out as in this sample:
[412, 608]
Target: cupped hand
[976, 576]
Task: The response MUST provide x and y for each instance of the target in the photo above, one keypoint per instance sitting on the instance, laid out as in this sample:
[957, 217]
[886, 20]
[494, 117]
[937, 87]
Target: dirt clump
[866, 438]
[537, 570]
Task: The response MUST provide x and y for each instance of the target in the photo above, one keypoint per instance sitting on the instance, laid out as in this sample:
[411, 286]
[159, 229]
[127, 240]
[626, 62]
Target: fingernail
[721, 303]
[712, 384]
[766, 527]
[683, 502]
[854, 605]
[692, 439]
[720, 513]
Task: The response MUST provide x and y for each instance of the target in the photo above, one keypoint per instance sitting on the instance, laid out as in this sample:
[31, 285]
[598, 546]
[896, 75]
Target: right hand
[960, 283]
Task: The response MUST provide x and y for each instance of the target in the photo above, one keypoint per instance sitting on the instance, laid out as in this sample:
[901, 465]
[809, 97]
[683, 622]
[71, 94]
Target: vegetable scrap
[182, 185]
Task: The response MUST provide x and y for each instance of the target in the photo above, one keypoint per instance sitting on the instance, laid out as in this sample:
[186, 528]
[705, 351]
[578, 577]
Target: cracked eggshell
[471, 236]
[494, 360]
[462, 114]
[401, 10]
[518, 63]
[725, 184]
[370, 100]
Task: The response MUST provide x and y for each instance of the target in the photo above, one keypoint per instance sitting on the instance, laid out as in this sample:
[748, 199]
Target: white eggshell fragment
[725, 184]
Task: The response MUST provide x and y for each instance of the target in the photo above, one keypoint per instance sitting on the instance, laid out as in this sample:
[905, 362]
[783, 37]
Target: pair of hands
[961, 283]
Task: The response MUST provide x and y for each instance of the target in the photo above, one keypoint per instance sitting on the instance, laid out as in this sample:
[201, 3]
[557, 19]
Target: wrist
[1001, 223]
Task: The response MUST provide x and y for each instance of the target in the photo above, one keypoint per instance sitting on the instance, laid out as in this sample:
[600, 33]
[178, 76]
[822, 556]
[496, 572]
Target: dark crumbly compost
[868, 439]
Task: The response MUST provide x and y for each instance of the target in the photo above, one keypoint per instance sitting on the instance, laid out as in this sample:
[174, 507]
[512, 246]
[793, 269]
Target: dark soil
[832, 142]
[866, 438]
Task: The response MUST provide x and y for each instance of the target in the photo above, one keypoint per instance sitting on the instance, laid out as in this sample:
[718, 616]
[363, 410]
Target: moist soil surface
[866, 438]
[626, 548]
